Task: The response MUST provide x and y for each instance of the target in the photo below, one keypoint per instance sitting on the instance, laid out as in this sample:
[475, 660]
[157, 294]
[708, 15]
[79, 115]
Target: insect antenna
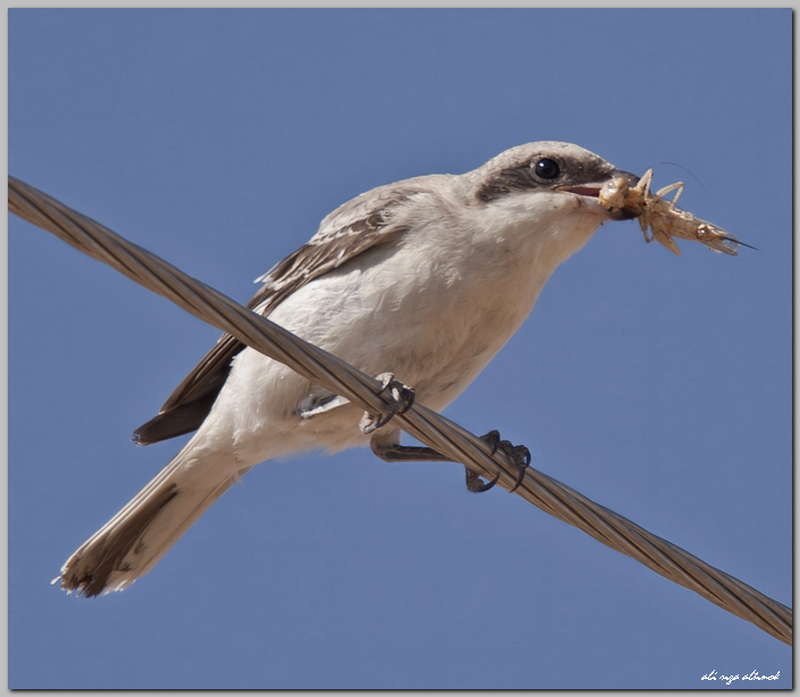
[688, 171]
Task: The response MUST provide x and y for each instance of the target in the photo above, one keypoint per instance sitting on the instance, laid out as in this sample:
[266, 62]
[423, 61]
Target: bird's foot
[402, 397]
[518, 453]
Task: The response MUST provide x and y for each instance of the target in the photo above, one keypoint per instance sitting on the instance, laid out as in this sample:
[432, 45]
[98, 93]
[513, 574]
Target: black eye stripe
[540, 171]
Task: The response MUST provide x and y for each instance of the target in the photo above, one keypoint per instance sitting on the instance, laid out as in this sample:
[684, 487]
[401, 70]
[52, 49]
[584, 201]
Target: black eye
[547, 168]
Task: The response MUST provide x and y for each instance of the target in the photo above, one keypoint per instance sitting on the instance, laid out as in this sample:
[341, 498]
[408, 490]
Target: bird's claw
[476, 485]
[518, 453]
[521, 457]
[402, 398]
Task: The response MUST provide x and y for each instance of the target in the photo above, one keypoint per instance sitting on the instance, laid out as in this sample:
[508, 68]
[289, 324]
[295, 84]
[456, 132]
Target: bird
[423, 280]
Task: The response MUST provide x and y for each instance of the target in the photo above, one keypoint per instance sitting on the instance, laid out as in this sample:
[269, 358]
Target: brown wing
[343, 235]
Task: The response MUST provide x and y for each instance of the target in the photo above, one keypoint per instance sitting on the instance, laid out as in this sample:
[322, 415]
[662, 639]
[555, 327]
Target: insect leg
[643, 186]
[672, 187]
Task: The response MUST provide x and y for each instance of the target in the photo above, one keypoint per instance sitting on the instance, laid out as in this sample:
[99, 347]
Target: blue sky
[659, 386]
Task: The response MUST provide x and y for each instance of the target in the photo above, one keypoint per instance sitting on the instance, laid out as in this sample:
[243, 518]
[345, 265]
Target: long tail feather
[134, 540]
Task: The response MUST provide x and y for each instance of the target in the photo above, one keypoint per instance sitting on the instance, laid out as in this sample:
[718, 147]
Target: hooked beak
[593, 191]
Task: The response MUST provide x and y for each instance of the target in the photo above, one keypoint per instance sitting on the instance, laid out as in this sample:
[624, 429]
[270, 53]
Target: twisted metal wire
[427, 426]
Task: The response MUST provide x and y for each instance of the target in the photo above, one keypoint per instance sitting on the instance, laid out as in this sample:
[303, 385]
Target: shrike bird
[427, 278]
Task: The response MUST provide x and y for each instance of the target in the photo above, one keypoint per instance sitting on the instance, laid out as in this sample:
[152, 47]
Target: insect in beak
[618, 179]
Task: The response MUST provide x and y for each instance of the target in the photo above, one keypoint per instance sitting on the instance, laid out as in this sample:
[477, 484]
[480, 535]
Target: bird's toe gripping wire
[402, 397]
[518, 453]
